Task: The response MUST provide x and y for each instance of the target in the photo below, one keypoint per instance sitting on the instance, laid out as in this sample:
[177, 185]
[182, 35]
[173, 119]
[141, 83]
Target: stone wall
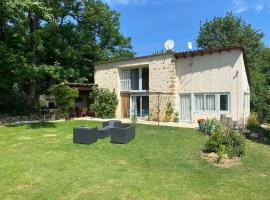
[163, 100]
[8, 119]
[162, 75]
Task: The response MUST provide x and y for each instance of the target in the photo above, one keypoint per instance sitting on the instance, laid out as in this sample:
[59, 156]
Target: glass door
[139, 106]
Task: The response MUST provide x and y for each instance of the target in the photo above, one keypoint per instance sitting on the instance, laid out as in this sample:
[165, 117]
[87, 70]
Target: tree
[65, 97]
[48, 42]
[232, 30]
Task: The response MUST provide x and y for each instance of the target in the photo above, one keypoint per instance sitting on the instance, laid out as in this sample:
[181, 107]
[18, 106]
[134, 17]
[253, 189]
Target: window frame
[217, 103]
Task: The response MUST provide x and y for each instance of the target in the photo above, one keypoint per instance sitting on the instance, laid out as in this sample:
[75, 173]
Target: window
[145, 78]
[134, 79]
[246, 102]
[224, 102]
[199, 102]
[212, 102]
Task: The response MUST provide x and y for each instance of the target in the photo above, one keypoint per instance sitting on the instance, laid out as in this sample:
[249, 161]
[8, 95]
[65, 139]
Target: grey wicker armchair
[123, 134]
[107, 126]
[84, 135]
[112, 123]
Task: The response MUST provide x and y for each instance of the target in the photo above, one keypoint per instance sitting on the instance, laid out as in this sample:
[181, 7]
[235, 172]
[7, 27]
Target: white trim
[217, 103]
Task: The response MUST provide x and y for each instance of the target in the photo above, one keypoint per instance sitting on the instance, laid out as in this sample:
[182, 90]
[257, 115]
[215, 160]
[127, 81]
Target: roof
[207, 51]
[89, 85]
[135, 58]
[184, 54]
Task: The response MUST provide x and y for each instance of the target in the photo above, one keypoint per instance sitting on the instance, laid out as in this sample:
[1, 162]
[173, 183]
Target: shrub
[14, 101]
[226, 140]
[236, 144]
[209, 126]
[253, 121]
[216, 143]
[64, 97]
[168, 112]
[105, 102]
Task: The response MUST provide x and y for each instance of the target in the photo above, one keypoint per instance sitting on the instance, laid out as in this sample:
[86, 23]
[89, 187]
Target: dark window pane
[135, 79]
[145, 78]
[145, 106]
[224, 102]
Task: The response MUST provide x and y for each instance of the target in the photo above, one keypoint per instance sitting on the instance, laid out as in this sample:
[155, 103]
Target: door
[125, 105]
[185, 107]
[139, 106]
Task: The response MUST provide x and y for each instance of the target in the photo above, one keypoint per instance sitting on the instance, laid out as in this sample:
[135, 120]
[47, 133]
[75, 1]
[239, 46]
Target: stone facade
[160, 101]
[162, 79]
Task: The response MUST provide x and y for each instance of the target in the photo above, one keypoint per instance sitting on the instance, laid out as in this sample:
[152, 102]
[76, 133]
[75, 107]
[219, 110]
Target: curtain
[199, 102]
[210, 102]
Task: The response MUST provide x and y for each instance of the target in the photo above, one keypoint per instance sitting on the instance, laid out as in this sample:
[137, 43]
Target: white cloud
[244, 5]
[259, 7]
[241, 9]
[240, 6]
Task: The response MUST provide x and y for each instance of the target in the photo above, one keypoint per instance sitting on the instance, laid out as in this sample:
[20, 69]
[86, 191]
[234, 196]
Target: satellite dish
[169, 45]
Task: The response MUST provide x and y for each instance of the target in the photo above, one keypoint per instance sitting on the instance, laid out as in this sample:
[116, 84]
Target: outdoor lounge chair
[112, 123]
[84, 135]
[106, 128]
[123, 134]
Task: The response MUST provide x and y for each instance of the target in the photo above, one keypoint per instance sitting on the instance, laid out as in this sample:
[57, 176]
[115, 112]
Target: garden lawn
[39, 161]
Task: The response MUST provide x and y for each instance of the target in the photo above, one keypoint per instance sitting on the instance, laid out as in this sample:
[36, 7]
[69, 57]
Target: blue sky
[151, 22]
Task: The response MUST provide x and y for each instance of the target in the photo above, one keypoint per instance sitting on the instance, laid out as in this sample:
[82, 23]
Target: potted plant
[200, 122]
[177, 119]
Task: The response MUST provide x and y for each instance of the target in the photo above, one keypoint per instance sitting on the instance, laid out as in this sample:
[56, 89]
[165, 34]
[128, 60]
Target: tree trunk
[33, 26]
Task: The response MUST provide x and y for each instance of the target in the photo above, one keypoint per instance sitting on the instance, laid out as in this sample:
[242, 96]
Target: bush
[65, 97]
[14, 101]
[226, 140]
[210, 126]
[236, 144]
[216, 143]
[105, 102]
[253, 121]
[168, 112]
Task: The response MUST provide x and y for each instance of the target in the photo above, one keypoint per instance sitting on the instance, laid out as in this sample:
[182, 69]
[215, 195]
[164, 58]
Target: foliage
[48, 42]
[210, 126]
[65, 97]
[260, 95]
[232, 30]
[226, 140]
[105, 102]
[253, 121]
[134, 119]
[168, 112]
[216, 143]
[14, 98]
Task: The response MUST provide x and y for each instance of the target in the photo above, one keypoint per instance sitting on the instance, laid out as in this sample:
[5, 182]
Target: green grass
[39, 161]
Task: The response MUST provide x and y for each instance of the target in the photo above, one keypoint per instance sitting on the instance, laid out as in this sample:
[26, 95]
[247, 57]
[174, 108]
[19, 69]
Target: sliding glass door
[139, 106]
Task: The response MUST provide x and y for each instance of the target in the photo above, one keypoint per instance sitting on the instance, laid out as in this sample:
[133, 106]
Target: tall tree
[60, 39]
[232, 30]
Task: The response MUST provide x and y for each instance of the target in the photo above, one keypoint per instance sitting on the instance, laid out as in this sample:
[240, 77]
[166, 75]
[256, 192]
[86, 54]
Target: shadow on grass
[42, 125]
[35, 125]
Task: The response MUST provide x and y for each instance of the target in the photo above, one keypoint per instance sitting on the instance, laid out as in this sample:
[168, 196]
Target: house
[198, 84]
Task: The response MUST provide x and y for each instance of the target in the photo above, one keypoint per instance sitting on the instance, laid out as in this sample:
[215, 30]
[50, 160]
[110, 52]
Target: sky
[151, 22]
